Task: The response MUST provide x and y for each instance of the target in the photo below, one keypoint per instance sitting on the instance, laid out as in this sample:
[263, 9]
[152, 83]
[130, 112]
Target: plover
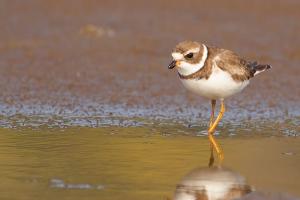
[214, 73]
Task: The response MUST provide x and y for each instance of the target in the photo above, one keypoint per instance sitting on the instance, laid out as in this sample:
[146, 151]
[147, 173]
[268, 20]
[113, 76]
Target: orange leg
[211, 131]
[212, 115]
[211, 120]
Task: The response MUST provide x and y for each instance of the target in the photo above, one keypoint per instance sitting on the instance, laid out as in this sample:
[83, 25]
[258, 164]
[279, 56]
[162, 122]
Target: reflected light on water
[212, 184]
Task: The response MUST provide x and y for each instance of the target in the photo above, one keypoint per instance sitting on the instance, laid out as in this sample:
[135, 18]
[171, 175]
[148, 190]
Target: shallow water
[89, 110]
[132, 163]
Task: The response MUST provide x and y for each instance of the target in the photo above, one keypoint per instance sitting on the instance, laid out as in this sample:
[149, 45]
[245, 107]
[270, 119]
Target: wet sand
[89, 110]
[67, 64]
[133, 163]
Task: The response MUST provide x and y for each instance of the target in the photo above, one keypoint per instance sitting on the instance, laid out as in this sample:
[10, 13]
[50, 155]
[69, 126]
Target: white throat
[187, 68]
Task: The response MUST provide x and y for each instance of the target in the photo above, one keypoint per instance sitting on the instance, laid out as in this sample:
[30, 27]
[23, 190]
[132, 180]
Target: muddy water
[72, 74]
[133, 163]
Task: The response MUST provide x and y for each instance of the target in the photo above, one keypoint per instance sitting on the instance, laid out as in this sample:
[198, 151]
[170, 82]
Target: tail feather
[256, 68]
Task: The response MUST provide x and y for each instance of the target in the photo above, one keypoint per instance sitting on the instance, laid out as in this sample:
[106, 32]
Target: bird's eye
[189, 55]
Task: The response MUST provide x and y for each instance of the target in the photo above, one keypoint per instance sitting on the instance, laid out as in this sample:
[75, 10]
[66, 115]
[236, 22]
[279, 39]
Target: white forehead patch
[177, 56]
[186, 68]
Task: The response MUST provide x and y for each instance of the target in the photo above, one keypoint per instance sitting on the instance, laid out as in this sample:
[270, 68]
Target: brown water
[89, 109]
[132, 163]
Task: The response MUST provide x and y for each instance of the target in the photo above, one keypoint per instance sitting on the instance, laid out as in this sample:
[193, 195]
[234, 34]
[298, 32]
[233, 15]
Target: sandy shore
[89, 110]
[109, 58]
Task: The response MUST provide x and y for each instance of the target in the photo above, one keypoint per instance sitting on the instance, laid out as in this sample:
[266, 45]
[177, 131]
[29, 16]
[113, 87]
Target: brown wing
[233, 64]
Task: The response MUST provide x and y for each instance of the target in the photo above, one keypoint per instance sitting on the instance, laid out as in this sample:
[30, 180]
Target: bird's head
[188, 57]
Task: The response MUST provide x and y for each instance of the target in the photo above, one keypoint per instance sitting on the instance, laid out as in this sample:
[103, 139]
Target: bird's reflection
[211, 183]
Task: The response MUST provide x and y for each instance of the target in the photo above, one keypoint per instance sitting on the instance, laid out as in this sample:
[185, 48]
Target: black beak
[172, 64]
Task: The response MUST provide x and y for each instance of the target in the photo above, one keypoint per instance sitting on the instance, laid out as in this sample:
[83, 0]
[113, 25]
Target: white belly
[218, 86]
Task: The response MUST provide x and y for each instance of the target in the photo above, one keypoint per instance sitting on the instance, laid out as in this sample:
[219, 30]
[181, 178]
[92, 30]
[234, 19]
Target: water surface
[89, 110]
[132, 163]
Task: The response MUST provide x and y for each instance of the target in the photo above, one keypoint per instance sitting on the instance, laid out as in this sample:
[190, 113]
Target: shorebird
[214, 73]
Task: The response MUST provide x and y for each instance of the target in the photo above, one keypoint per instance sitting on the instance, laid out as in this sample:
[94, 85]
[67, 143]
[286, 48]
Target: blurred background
[103, 64]
[76, 61]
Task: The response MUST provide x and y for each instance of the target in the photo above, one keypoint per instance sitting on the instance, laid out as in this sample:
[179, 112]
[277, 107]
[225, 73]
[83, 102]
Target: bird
[216, 74]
